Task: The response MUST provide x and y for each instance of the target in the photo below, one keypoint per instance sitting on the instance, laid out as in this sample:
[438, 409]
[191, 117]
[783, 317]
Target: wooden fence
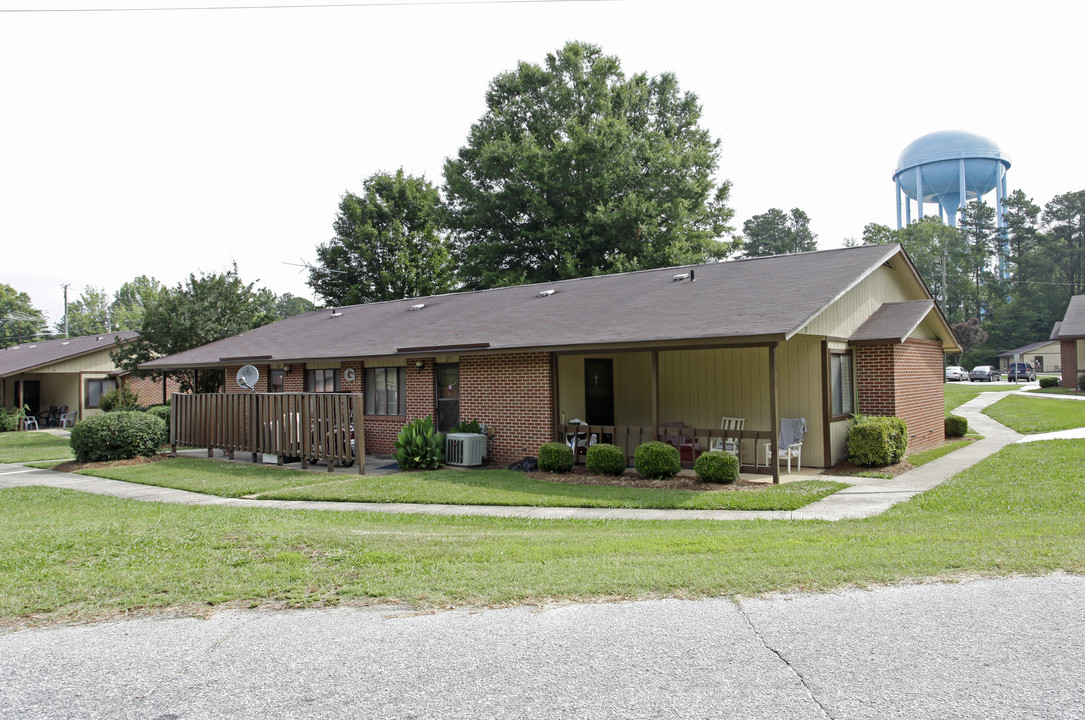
[691, 442]
[305, 427]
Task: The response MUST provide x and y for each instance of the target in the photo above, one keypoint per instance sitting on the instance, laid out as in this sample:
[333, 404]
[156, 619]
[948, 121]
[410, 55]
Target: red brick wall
[512, 396]
[1068, 355]
[381, 430]
[904, 380]
[149, 390]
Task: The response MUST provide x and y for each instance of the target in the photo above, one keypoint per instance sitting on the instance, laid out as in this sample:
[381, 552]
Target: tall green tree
[981, 241]
[19, 319]
[201, 310]
[130, 301]
[288, 305]
[575, 169]
[88, 314]
[778, 233]
[388, 244]
[1064, 219]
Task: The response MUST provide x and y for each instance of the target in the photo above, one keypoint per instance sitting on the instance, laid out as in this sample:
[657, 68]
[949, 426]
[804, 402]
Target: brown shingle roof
[762, 298]
[892, 321]
[32, 355]
[1073, 323]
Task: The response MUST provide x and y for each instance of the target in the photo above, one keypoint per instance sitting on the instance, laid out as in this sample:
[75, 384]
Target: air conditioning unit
[465, 449]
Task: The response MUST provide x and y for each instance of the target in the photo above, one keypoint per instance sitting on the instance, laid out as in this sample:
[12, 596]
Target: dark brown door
[599, 391]
[31, 395]
[448, 396]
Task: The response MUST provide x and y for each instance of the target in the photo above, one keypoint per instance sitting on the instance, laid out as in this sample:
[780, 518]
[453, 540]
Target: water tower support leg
[918, 193]
[898, 209]
[963, 185]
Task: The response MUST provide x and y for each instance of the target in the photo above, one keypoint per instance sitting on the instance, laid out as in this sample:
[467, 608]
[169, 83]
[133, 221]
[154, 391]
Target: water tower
[949, 168]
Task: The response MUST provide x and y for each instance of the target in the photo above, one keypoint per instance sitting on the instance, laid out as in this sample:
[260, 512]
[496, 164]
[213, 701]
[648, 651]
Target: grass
[1056, 391]
[18, 447]
[958, 394]
[453, 487]
[70, 556]
[1037, 415]
[925, 456]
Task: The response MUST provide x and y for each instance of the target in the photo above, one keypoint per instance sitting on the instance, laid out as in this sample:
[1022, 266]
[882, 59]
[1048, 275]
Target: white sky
[165, 143]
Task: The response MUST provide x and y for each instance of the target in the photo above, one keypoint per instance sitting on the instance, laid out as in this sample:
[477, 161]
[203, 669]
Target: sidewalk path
[864, 498]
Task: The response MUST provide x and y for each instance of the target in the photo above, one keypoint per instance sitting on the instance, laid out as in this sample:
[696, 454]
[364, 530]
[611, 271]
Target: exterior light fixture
[419, 365]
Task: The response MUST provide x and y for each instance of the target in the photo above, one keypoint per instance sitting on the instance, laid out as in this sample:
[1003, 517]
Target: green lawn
[925, 456]
[453, 487]
[1037, 415]
[70, 556]
[18, 447]
[958, 394]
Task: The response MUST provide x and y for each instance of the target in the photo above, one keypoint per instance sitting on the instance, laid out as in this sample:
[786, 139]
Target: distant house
[1045, 356]
[68, 373]
[1070, 334]
[817, 336]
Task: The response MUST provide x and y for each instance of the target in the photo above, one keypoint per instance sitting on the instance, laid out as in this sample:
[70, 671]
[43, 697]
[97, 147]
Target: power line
[295, 6]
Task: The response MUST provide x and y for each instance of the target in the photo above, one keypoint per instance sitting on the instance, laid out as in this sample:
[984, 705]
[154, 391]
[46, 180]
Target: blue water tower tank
[949, 168]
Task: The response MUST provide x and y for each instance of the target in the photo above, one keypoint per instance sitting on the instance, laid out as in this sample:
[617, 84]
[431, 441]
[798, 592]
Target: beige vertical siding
[843, 317]
[632, 387]
[97, 361]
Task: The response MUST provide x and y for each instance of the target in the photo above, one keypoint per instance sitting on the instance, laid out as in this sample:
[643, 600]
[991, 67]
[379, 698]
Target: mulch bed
[74, 466]
[631, 478]
[849, 468]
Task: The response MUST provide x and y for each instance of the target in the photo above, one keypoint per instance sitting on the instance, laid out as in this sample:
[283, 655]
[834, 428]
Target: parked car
[956, 372]
[1021, 371]
[984, 372]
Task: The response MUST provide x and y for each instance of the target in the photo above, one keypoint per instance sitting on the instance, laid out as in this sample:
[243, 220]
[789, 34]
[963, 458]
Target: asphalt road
[984, 649]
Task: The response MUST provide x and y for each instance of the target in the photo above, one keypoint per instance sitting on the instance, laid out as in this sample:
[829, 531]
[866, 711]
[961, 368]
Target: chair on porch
[67, 419]
[730, 443]
[792, 432]
[30, 422]
[688, 448]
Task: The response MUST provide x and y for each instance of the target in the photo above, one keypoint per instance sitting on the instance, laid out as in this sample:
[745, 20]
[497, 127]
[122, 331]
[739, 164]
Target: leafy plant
[1081, 383]
[162, 412]
[877, 440]
[419, 445]
[1049, 382]
[10, 419]
[117, 436]
[657, 460]
[717, 467]
[606, 459]
[466, 426]
[122, 398]
[556, 457]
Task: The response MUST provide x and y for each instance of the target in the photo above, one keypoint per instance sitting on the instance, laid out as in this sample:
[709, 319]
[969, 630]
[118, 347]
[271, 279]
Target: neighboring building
[816, 335]
[1045, 356]
[1070, 333]
[71, 373]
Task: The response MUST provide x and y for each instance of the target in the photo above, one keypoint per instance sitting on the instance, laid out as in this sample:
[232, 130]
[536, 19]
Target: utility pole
[65, 286]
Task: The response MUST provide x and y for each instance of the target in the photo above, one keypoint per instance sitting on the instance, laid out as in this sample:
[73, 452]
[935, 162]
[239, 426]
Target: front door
[599, 391]
[448, 396]
[31, 395]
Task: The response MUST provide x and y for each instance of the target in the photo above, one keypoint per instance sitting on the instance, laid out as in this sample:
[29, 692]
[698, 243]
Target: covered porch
[680, 395]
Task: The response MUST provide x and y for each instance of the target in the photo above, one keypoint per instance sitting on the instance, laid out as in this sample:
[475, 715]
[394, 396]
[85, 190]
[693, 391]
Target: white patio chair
[68, 419]
[730, 443]
[792, 432]
[30, 422]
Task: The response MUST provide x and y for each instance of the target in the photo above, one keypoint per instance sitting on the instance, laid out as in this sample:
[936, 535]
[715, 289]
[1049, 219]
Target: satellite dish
[247, 377]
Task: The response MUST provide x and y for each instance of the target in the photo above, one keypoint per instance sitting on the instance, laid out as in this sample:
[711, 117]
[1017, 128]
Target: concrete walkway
[864, 498]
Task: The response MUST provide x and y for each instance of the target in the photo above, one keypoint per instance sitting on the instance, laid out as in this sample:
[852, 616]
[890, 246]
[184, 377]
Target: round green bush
[122, 398]
[717, 467]
[877, 440]
[419, 446]
[606, 459]
[555, 457]
[162, 412]
[1081, 383]
[118, 435]
[956, 426]
[1048, 381]
[657, 460]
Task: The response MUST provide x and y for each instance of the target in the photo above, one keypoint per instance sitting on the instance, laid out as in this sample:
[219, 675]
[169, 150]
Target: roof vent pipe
[419, 306]
[679, 276]
[692, 277]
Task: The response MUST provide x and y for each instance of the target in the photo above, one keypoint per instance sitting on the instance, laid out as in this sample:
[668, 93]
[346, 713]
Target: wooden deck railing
[308, 427]
[698, 439]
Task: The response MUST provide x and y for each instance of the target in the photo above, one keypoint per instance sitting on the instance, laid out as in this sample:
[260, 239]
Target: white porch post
[774, 413]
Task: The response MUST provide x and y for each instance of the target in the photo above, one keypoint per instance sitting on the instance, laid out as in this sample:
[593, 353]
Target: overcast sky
[168, 143]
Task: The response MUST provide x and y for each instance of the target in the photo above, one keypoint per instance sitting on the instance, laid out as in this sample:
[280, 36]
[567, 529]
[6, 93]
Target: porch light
[418, 364]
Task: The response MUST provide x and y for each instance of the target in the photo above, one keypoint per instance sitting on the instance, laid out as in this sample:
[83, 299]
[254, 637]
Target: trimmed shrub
[117, 435]
[1081, 383]
[419, 446]
[877, 440]
[956, 426]
[717, 467]
[1048, 382]
[162, 412]
[120, 399]
[606, 459]
[657, 460]
[555, 457]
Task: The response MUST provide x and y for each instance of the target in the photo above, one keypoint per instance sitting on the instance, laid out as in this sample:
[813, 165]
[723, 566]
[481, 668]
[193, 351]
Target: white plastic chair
[792, 432]
[29, 421]
[67, 419]
[730, 443]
